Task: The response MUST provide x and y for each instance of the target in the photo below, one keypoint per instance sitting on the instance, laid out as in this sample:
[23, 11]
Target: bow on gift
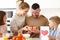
[19, 37]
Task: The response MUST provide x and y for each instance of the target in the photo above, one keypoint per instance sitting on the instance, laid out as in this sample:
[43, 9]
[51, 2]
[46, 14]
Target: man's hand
[36, 31]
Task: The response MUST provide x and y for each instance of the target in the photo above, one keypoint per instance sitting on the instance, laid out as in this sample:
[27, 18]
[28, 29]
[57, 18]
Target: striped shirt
[53, 32]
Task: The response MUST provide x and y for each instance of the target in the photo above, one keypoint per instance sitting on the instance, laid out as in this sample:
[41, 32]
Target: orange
[23, 38]
[14, 38]
[17, 38]
[20, 35]
[20, 38]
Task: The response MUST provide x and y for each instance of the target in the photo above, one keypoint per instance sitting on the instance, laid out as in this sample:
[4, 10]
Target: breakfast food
[31, 28]
[19, 37]
[14, 38]
[4, 38]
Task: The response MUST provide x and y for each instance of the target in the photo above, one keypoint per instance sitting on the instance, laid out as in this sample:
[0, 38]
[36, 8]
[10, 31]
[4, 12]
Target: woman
[3, 18]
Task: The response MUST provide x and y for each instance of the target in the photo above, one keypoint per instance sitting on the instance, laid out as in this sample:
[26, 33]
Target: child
[19, 2]
[19, 18]
[53, 23]
[3, 28]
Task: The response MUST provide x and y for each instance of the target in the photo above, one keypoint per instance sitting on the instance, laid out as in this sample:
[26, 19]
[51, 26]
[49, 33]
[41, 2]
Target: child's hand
[51, 37]
[25, 28]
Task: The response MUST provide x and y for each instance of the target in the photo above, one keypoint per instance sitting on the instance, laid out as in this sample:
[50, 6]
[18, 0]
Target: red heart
[44, 32]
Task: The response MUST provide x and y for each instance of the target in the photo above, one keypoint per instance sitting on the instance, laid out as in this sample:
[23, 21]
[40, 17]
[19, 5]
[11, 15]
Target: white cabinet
[7, 3]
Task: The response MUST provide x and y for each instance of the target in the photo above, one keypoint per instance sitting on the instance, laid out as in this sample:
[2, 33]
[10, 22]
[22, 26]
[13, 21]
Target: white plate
[26, 35]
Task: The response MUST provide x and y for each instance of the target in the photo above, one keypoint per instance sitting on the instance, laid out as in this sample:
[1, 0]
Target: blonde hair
[24, 5]
[55, 19]
[20, 0]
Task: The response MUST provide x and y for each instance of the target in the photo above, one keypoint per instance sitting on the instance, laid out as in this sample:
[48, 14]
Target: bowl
[26, 35]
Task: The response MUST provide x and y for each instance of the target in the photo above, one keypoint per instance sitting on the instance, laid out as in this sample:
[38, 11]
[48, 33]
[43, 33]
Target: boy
[53, 23]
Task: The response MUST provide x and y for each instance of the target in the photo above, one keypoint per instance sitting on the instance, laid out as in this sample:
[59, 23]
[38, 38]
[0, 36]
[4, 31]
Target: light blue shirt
[58, 32]
[53, 32]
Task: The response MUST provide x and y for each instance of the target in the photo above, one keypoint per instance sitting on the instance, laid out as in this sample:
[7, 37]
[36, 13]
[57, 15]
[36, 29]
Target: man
[36, 19]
